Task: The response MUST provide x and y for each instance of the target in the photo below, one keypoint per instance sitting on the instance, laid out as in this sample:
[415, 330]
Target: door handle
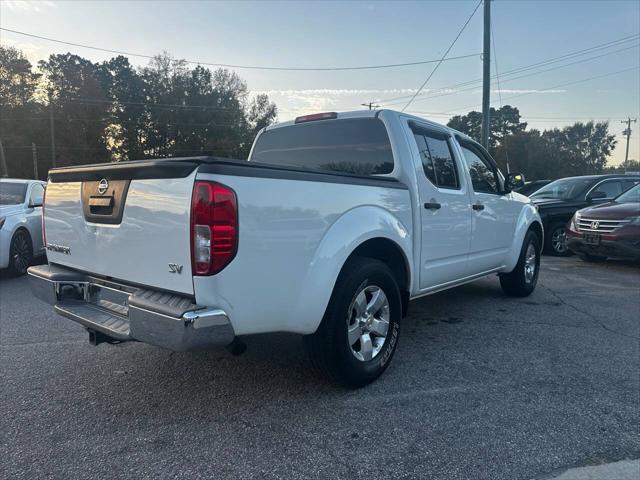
[432, 206]
[477, 206]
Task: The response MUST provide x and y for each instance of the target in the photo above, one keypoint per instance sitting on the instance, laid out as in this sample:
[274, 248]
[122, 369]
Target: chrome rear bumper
[122, 312]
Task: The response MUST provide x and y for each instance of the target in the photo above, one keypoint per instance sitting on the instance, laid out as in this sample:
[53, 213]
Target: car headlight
[632, 220]
[574, 221]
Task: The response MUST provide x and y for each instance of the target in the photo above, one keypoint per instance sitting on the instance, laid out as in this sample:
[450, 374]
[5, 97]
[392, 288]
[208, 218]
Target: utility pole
[53, 133]
[371, 105]
[34, 154]
[627, 132]
[3, 162]
[486, 74]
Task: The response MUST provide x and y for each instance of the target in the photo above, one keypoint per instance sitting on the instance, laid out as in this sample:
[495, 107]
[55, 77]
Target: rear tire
[587, 257]
[556, 240]
[522, 281]
[359, 332]
[20, 253]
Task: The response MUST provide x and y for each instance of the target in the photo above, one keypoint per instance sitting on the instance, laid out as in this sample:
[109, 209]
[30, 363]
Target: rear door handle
[432, 206]
[477, 206]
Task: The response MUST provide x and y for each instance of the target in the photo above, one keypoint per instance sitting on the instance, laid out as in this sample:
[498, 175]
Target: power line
[559, 85]
[443, 56]
[605, 117]
[542, 63]
[518, 77]
[248, 67]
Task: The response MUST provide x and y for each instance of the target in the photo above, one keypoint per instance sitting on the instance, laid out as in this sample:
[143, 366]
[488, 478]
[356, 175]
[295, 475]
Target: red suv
[610, 229]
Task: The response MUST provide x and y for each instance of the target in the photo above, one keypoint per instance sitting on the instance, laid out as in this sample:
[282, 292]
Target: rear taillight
[214, 227]
[44, 235]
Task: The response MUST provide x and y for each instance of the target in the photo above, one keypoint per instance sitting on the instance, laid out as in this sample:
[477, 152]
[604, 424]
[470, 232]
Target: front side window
[358, 146]
[437, 158]
[610, 189]
[564, 189]
[12, 193]
[483, 176]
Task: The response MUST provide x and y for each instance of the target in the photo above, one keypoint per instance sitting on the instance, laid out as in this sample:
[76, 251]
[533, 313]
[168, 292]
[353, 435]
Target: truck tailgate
[124, 223]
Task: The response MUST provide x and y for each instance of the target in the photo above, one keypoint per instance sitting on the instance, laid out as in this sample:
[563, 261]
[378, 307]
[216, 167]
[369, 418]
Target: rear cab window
[355, 146]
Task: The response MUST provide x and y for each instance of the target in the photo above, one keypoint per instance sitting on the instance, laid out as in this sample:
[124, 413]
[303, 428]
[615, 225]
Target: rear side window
[437, 158]
[12, 193]
[357, 146]
[611, 188]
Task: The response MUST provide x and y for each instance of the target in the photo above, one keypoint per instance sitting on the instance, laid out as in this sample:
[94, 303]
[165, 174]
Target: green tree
[113, 111]
[17, 81]
[261, 113]
[125, 89]
[80, 106]
[503, 123]
[22, 119]
[587, 146]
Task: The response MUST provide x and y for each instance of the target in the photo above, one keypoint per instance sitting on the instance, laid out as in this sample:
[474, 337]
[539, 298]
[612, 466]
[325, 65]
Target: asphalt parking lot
[482, 387]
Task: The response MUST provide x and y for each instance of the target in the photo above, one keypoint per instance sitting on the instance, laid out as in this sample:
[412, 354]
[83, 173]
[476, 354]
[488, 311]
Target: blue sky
[325, 34]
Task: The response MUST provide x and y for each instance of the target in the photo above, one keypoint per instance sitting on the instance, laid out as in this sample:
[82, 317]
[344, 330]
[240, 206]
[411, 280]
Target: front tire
[556, 240]
[522, 281]
[359, 332]
[20, 253]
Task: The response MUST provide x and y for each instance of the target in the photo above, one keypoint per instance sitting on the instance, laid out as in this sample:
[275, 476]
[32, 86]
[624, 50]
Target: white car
[20, 223]
[334, 223]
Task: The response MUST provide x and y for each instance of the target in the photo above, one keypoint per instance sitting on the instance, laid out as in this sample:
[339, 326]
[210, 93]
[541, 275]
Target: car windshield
[630, 196]
[563, 189]
[12, 193]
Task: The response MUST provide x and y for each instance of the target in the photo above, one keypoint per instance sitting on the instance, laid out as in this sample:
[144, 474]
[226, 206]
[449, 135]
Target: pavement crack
[588, 315]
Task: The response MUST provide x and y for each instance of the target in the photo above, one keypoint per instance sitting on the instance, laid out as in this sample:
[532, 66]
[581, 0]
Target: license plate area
[592, 239]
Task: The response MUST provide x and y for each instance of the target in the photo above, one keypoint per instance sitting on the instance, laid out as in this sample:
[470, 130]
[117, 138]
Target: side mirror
[596, 195]
[513, 181]
[36, 202]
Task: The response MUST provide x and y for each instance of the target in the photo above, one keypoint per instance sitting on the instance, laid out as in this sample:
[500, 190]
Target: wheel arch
[22, 228]
[367, 231]
[537, 228]
[529, 219]
[389, 253]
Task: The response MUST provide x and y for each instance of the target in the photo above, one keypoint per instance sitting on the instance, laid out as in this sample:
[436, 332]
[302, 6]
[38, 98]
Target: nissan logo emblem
[103, 186]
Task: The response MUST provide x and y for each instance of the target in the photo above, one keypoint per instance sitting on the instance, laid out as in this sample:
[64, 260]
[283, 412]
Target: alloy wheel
[368, 323]
[530, 264]
[559, 240]
[20, 253]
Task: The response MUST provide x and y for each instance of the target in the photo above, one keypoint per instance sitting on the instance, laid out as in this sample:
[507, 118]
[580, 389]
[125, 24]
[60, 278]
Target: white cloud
[33, 52]
[339, 91]
[507, 90]
[28, 6]
[294, 102]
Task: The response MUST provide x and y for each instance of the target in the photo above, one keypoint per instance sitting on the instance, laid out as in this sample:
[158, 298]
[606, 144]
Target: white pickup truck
[333, 224]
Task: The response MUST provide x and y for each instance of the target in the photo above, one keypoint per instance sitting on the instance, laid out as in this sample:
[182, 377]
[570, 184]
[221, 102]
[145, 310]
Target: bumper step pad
[96, 318]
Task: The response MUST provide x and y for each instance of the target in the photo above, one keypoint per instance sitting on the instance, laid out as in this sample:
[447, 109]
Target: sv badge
[175, 268]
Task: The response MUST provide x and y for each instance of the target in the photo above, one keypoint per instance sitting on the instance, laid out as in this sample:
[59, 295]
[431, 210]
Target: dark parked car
[532, 187]
[610, 229]
[559, 200]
